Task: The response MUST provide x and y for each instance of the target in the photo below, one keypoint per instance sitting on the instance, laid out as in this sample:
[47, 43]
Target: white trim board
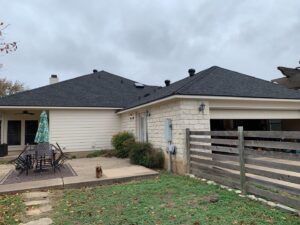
[54, 107]
[209, 98]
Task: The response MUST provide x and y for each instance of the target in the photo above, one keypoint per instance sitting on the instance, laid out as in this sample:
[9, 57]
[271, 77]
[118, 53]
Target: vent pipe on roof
[53, 79]
[95, 71]
[167, 82]
[192, 72]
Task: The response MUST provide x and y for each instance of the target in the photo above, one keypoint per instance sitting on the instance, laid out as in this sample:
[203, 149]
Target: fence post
[188, 156]
[242, 159]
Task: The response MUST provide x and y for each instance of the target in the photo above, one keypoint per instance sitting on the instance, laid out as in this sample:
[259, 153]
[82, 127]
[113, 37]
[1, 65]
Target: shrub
[144, 154]
[122, 142]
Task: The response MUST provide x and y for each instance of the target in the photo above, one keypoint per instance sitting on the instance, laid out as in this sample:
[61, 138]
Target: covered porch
[18, 127]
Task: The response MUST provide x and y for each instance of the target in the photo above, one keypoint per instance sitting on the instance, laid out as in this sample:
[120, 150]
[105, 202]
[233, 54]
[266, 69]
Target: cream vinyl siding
[83, 130]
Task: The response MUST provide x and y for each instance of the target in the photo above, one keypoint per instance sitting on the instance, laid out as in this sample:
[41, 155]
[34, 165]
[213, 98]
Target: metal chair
[44, 156]
[60, 157]
[24, 161]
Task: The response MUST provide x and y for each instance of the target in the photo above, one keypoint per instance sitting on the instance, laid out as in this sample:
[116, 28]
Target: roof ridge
[195, 78]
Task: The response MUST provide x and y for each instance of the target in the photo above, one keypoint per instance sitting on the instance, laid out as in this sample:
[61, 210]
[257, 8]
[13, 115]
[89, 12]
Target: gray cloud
[148, 41]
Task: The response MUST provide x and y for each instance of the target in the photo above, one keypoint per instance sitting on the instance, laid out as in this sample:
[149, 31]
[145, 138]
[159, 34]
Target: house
[86, 111]
[291, 79]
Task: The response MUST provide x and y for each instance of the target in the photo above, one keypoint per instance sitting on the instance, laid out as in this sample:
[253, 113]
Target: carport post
[242, 159]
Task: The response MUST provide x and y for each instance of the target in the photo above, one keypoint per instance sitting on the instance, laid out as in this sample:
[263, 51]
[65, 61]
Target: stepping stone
[45, 208]
[38, 194]
[38, 211]
[33, 212]
[42, 221]
[37, 202]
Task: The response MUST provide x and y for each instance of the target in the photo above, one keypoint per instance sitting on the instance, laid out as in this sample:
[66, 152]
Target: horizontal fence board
[274, 165]
[273, 144]
[214, 163]
[272, 154]
[215, 133]
[217, 179]
[275, 186]
[216, 171]
[204, 154]
[216, 156]
[225, 169]
[273, 134]
[274, 196]
[274, 175]
[215, 148]
[215, 141]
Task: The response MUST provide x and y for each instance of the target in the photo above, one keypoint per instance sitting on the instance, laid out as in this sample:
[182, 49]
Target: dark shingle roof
[99, 89]
[103, 89]
[217, 81]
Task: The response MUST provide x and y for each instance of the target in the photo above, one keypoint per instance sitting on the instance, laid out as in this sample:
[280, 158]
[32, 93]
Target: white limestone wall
[183, 113]
[128, 122]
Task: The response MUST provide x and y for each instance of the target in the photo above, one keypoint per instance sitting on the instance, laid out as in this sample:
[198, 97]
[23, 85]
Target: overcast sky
[146, 40]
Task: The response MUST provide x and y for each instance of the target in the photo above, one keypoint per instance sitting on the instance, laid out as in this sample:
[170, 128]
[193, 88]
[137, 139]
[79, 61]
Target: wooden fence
[264, 163]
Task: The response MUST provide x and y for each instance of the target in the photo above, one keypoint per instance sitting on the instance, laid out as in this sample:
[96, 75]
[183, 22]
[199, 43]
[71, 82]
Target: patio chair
[24, 161]
[60, 157]
[44, 156]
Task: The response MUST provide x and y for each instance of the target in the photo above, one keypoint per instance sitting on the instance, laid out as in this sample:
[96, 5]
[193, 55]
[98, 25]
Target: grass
[11, 208]
[169, 199]
[103, 153]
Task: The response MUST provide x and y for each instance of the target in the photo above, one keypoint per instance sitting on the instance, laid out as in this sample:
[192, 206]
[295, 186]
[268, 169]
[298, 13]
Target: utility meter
[171, 149]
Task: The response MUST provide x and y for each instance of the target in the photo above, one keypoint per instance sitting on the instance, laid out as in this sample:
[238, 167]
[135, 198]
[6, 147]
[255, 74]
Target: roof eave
[205, 97]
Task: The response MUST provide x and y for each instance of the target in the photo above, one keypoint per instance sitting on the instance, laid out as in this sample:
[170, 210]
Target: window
[31, 127]
[14, 132]
[143, 127]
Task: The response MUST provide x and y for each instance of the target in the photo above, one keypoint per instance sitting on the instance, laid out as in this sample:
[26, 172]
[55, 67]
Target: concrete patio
[114, 171]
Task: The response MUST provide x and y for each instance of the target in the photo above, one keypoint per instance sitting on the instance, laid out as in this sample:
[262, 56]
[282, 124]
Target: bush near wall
[122, 142]
[144, 154]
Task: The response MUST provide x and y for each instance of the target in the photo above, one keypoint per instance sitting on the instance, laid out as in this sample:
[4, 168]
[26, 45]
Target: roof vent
[192, 72]
[167, 82]
[53, 79]
[95, 71]
[139, 85]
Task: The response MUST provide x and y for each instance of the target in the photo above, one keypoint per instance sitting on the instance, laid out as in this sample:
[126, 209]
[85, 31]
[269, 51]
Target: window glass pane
[14, 132]
[31, 127]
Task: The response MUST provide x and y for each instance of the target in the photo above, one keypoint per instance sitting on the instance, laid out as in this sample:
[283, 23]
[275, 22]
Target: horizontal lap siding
[83, 130]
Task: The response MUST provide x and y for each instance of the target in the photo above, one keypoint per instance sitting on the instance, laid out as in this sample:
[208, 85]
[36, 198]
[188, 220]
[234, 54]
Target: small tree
[8, 87]
[6, 47]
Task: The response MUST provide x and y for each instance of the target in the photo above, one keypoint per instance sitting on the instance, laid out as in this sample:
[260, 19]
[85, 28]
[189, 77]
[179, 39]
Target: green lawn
[169, 199]
[11, 208]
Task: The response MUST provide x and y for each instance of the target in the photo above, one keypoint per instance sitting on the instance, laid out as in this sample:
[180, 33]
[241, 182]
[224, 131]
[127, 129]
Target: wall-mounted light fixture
[131, 116]
[148, 113]
[201, 107]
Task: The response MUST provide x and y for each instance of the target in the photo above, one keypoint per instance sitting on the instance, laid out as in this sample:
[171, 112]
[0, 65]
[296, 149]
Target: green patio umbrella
[42, 134]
